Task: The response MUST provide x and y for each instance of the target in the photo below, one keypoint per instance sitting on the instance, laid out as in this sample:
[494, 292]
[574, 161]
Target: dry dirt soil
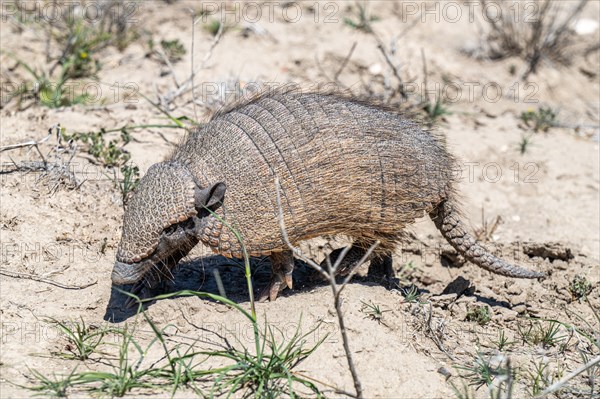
[60, 227]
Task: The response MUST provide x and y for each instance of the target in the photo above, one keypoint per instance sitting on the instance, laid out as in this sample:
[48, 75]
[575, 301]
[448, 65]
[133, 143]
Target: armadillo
[344, 166]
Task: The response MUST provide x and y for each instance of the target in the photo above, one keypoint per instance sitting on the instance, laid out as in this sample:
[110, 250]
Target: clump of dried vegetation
[535, 31]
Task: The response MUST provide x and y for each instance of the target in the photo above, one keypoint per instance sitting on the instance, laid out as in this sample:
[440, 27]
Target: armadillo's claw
[273, 289]
[141, 290]
[130, 303]
[289, 281]
[282, 264]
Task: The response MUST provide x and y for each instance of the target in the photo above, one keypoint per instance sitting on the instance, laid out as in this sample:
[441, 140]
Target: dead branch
[388, 60]
[168, 63]
[45, 280]
[334, 287]
[344, 63]
[30, 143]
[188, 84]
[432, 334]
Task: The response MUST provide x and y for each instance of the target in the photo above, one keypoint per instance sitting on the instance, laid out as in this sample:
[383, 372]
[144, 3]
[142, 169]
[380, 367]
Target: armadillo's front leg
[282, 264]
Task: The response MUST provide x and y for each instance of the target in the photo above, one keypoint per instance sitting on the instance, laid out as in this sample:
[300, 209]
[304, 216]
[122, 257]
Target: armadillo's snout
[124, 273]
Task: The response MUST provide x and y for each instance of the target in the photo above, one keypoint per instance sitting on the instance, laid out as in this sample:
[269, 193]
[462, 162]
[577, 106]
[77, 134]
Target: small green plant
[483, 371]
[83, 340]
[363, 19]
[550, 336]
[81, 40]
[126, 374]
[373, 311]
[130, 180]
[547, 333]
[264, 371]
[435, 110]
[213, 26]
[538, 377]
[78, 40]
[52, 386]
[52, 93]
[174, 49]
[541, 120]
[411, 294]
[479, 314]
[269, 372]
[580, 287]
[524, 144]
[108, 154]
[502, 341]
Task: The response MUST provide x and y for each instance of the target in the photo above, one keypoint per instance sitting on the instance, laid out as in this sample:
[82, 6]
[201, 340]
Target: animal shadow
[207, 275]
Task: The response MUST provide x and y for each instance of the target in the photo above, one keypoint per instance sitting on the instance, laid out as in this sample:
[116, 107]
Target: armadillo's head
[161, 223]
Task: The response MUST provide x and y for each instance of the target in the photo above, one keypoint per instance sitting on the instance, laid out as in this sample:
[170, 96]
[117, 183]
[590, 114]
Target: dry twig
[556, 386]
[344, 63]
[45, 280]
[330, 275]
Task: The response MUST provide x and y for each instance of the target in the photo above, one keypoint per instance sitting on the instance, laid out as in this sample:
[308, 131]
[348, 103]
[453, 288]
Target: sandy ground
[547, 197]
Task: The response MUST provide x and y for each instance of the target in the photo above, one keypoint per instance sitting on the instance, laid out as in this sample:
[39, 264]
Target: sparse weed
[126, 374]
[131, 178]
[502, 341]
[483, 370]
[48, 92]
[183, 368]
[541, 120]
[436, 109]
[548, 335]
[363, 18]
[266, 370]
[495, 372]
[487, 230]
[580, 287]
[269, 372]
[108, 154]
[54, 387]
[545, 35]
[524, 144]
[538, 377]
[411, 294]
[83, 340]
[373, 311]
[213, 26]
[80, 40]
[173, 49]
[479, 314]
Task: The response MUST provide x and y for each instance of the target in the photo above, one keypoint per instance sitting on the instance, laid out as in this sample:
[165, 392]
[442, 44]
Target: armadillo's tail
[447, 219]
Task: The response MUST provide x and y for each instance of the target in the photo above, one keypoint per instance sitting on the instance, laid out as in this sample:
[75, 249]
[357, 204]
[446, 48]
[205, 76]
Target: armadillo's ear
[210, 197]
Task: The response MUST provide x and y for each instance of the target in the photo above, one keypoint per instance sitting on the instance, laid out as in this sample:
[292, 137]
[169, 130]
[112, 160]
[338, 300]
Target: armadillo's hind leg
[382, 267]
[282, 264]
[350, 261]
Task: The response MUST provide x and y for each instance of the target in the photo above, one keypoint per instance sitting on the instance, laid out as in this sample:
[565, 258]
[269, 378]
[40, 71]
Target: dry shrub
[534, 30]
